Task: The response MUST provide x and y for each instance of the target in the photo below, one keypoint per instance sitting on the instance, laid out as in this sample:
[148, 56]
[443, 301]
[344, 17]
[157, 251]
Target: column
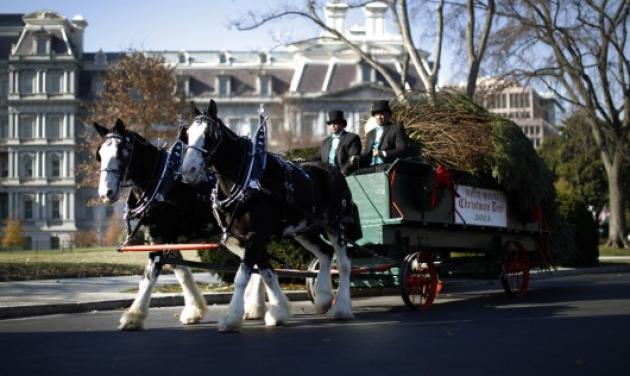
[43, 165]
[70, 172]
[43, 121]
[65, 206]
[10, 164]
[71, 82]
[64, 164]
[71, 206]
[70, 125]
[44, 82]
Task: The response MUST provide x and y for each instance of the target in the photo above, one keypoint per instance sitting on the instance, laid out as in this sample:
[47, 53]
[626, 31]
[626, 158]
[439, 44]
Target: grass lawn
[77, 263]
[608, 251]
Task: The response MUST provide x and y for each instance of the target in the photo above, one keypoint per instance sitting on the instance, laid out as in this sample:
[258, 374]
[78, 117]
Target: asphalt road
[567, 326]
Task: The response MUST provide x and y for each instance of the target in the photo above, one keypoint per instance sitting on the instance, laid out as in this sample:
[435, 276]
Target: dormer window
[100, 58]
[367, 73]
[42, 45]
[264, 58]
[181, 58]
[264, 86]
[223, 58]
[224, 86]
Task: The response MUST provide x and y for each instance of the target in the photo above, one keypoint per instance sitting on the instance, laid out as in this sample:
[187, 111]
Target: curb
[223, 298]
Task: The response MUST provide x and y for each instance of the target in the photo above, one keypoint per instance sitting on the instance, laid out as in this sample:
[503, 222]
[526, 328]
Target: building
[45, 76]
[533, 113]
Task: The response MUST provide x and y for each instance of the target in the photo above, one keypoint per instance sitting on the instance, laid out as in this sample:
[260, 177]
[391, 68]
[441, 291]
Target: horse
[304, 201]
[170, 210]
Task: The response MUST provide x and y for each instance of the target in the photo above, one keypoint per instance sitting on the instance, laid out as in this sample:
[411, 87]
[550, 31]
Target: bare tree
[311, 10]
[579, 50]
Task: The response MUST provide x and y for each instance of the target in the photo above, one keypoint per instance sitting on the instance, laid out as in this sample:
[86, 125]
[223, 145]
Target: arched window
[54, 202]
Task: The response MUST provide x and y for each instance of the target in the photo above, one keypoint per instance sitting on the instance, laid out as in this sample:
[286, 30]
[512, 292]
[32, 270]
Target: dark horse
[168, 208]
[285, 200]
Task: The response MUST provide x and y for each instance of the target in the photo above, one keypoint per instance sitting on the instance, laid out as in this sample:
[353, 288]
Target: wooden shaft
[166, 247]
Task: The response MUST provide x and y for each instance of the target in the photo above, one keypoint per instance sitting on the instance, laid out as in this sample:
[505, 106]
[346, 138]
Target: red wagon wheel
[515, 275]
[419, 281]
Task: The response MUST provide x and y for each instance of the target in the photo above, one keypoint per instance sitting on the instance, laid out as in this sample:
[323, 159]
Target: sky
[115, 25]
[118, 25]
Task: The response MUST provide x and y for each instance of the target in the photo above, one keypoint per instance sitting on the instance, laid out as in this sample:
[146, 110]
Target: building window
[54, 242]
[263, 58]
[366, 73]
[4, 205]
[98, 85]
[4, 164]
[309, 125]
[100, 58]
[223, 59]
[27, 166]
[27, 81]
[4, 127]
[55, 207]
[253, 126]
[42, 45]
[55, 82]
[54, 126]
[26, 126]
[28, 207]
[4, 88]
[55, 165]
[265, 86]
[224, 86]
[233, 124]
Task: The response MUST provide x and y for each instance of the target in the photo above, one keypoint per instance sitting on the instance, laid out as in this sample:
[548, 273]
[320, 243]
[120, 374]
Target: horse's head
[114, 154]
[202, 137]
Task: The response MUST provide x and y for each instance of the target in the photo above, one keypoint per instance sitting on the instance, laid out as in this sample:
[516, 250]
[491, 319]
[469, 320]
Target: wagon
[420, 224]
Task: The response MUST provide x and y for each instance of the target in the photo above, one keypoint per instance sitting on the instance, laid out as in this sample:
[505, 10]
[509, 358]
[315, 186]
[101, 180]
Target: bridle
[218, 136]
[125, 154]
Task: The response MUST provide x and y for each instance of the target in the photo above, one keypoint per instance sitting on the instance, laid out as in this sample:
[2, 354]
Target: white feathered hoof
[230, 323]
[254, 312]
[323, 302]
[132, 320]
[277, 315]
[192, 314]
[341, 312]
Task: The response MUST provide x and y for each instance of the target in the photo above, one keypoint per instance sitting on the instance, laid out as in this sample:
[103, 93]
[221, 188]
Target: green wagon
[419, 222]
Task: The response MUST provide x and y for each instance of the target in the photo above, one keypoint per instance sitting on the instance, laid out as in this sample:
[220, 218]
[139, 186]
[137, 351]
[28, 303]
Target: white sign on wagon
[479, 206]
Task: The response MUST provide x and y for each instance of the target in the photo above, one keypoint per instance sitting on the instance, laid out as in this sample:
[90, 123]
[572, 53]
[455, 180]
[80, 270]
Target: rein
[122, 173]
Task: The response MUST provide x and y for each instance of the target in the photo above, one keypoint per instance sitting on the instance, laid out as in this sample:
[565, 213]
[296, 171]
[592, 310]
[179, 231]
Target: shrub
[578, 225]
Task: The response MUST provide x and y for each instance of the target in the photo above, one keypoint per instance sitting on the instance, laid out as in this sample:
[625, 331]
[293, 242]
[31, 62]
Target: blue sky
[115, 25]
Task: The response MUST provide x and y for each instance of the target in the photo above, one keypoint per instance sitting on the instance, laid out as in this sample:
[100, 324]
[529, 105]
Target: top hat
[380, 106]
[336, 115]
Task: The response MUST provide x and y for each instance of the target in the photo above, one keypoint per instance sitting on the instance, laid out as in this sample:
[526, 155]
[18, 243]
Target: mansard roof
[11, 20]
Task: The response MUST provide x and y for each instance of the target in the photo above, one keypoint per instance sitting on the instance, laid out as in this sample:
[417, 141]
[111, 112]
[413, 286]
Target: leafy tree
[141, 91]
[13, 236]
[575, 162]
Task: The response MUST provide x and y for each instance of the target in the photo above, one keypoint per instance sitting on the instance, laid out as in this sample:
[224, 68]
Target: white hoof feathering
[341, 310]
[277, 315]
[231, 322]
[254, 299]
[132, 320]
[192, 314]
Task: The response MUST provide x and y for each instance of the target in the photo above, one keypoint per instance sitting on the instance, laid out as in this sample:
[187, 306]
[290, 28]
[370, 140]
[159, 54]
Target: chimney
[375, 19]
[79, 23]
[335, 12]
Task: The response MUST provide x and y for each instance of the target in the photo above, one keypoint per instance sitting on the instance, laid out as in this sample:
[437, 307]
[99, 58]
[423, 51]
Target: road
[576, 325]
